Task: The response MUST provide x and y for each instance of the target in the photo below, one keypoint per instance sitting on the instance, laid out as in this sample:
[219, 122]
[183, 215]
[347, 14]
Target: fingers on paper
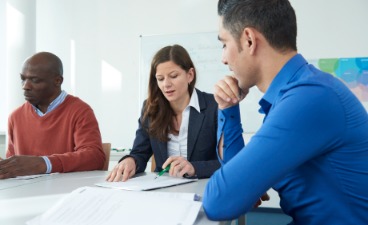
[115, 175]
[128, 173]
[123, 171]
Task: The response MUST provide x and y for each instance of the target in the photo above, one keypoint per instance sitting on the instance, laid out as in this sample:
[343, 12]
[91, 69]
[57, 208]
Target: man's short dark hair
[275, 19]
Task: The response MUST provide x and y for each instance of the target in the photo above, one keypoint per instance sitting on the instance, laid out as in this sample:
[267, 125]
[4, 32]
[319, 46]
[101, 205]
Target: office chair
[106, 148]
[153, 163]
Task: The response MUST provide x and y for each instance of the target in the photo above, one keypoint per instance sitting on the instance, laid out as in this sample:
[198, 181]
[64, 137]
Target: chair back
[106, 148]
[153, 163]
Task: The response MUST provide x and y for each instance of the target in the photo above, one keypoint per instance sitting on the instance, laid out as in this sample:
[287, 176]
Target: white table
[21, 200]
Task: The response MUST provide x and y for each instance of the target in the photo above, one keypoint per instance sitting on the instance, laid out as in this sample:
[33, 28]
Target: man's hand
[21, 165]
[179, 166]
[123, 171]
[227, 92]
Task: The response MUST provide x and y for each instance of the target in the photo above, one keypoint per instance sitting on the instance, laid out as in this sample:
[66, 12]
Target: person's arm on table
[21, 165]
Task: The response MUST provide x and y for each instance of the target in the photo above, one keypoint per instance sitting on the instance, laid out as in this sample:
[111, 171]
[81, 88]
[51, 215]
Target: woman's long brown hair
[157, 108]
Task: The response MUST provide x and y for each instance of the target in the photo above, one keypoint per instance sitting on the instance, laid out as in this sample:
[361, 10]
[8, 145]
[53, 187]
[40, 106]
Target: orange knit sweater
[69, 135]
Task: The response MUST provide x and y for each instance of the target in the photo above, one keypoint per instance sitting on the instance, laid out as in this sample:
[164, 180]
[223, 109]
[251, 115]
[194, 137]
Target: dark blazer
[202, 130]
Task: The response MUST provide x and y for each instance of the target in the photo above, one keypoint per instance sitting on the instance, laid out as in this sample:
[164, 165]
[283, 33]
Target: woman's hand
[179, 166]
[123, 171]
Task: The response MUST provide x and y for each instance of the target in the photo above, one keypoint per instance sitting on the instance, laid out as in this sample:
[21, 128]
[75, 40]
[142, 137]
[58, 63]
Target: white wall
[17, 41]
[3, 113]
[329, 28]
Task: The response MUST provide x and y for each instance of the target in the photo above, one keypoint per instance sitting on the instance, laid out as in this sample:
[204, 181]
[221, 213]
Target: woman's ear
[190, 74]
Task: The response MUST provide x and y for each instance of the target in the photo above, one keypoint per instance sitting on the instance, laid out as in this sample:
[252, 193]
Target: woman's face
[173, 81]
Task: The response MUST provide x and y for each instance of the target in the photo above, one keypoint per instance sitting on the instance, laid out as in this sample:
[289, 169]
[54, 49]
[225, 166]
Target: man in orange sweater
[52, 131]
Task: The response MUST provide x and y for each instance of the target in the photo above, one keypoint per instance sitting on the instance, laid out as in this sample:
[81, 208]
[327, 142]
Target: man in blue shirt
[313, 145]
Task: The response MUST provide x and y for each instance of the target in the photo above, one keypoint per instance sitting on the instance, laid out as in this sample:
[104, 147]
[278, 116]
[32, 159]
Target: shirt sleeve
[305, 123]
[48, 164]
[229, 125]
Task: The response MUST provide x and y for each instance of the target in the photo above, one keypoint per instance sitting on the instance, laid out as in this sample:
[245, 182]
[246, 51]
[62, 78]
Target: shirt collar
[56, 102]
[194, 101]
[281, 79]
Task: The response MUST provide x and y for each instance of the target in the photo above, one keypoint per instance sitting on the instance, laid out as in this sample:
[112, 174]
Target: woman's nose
[167, 82]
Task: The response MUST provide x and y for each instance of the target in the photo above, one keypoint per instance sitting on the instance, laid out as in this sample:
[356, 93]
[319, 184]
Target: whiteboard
[205, 51]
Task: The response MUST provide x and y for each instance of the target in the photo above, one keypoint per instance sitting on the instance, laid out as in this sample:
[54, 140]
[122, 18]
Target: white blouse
[177, 145]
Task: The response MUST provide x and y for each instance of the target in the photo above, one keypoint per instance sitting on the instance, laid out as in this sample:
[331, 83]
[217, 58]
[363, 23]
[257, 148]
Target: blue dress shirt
[312, 149]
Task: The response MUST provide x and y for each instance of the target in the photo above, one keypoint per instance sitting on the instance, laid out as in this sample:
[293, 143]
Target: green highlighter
[163, 171]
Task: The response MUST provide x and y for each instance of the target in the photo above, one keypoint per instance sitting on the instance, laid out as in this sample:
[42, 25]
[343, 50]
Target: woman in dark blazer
[178, 123]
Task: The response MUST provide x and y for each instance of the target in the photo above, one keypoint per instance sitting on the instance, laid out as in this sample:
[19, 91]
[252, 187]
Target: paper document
[100, 206]
[29, 177]
[20, 180]
[147, 182]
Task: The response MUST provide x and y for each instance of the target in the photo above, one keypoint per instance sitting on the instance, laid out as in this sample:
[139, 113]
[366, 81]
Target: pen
[163, 171]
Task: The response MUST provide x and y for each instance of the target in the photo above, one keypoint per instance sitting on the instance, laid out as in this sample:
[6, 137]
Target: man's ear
[249, 39]
[59, 80]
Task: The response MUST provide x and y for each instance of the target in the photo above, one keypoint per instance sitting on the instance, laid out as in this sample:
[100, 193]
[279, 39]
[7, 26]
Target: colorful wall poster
[353, 71]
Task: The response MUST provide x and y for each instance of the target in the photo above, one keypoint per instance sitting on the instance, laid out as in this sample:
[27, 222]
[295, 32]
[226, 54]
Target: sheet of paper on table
[102, 206]
[147, 182]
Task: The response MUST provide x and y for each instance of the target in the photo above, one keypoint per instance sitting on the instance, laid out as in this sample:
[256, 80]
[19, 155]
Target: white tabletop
[21, 200]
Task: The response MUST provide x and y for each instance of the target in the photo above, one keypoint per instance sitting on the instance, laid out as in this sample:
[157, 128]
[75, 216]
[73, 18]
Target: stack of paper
[100, 206]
